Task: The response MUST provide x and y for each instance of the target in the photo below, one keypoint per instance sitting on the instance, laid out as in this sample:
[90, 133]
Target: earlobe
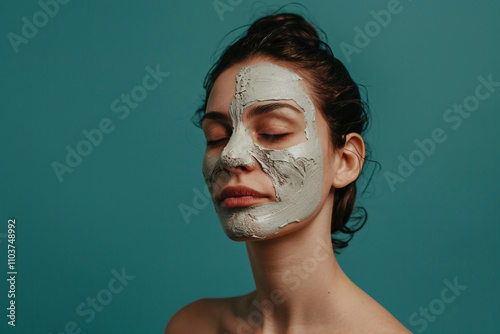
[350, 162]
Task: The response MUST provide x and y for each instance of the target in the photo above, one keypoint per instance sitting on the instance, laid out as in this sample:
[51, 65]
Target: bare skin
[300, 288]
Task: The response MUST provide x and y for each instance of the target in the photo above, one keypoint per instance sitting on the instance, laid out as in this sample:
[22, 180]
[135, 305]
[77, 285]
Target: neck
[297, 278]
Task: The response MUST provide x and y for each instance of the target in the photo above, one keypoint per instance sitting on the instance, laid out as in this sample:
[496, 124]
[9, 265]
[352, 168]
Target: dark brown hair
[291, 39]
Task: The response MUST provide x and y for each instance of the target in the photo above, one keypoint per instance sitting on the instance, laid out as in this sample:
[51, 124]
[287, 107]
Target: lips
[232, 197]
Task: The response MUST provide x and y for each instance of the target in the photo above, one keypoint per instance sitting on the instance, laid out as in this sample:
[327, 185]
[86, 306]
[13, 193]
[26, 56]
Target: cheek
[329, 159]
[211, 170]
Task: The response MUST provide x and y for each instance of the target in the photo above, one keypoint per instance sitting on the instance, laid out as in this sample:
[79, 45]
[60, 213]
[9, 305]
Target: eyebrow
[267, 108]
[255, 111]
[216, 116]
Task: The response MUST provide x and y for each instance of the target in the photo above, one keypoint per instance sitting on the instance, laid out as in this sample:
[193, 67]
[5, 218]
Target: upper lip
[238, 191]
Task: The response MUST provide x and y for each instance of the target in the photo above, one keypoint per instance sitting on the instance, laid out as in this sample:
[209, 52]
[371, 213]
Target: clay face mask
[296, 172]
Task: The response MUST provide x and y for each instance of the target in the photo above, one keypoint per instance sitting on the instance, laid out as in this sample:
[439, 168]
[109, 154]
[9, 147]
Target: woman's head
[285, 46]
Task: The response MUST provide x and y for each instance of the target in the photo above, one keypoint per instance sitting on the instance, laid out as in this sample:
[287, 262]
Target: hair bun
[286, 24]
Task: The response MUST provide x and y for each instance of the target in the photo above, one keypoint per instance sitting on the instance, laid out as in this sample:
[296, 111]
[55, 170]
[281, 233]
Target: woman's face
[266, 143]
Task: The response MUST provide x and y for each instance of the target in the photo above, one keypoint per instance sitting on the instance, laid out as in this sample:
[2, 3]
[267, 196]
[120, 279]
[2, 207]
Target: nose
[236, 155]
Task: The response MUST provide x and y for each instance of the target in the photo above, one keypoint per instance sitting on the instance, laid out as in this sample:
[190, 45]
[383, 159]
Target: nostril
[234, 170]
[230, 161]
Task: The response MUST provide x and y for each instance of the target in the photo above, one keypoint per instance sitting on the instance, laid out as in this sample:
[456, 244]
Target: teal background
[120, 207]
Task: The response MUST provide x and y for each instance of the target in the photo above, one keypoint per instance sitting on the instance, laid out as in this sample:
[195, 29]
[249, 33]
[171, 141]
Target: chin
[253, 232]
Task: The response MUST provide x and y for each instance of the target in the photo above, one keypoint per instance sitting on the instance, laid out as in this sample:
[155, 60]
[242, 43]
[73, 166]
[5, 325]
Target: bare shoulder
[201, 316]
[390, 326]
[379, 320]
[196, 317]
[367, 316]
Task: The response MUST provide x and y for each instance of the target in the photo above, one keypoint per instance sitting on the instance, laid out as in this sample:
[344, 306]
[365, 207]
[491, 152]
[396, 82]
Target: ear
[350, 162]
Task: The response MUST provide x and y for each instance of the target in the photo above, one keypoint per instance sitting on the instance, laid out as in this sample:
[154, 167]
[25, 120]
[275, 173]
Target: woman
[283, 122]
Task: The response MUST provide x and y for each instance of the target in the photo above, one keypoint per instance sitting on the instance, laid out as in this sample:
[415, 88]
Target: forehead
[259, 81]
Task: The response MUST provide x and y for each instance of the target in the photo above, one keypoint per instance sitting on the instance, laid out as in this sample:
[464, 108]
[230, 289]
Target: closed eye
[217, 142]
[273, 137]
